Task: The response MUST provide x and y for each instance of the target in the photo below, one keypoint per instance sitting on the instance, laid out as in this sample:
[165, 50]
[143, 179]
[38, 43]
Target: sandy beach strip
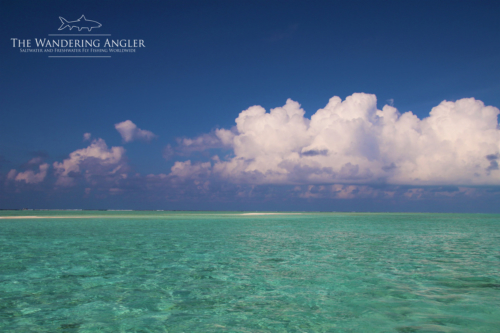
[270, 214]
[116, 216]
[47, 217]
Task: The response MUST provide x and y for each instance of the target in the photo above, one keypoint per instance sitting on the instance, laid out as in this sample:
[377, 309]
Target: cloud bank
[348, 150]
[352, 142]
[130, 132]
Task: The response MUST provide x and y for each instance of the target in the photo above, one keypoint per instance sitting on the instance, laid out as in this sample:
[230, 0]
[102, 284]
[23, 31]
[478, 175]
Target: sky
[253, 105]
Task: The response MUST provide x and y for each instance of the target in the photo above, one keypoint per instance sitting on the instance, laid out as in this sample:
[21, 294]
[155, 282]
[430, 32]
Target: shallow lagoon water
[227, 272]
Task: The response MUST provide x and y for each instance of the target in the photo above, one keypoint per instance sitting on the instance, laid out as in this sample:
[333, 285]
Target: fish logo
[81, 23]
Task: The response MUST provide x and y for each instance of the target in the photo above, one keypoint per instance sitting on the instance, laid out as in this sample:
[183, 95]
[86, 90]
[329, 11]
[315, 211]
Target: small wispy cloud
[218, 139]
[29, 176]
[130, 132]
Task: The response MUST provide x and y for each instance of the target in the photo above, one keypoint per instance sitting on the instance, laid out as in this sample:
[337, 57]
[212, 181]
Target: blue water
[224, 272]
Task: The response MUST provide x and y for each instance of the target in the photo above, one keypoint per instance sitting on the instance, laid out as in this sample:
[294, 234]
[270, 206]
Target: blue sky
[207, 61]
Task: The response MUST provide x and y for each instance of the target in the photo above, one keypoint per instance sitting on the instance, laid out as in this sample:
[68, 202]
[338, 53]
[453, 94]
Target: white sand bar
[47, 217]
[115, 216]
[270, 213]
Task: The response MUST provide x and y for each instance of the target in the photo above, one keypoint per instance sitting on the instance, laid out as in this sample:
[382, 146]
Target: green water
[224, 272]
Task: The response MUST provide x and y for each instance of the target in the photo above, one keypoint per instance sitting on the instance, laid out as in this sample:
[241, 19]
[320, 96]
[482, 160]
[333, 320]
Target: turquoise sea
[228, 272]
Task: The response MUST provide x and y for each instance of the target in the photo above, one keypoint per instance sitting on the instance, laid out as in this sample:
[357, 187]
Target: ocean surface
[228, 272]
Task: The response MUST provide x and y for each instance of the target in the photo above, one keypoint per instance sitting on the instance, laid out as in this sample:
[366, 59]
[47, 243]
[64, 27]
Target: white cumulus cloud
[188, 170]
[11, 175]
[130, 132]
[96, 159]
[352, 142]
[30, 177]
